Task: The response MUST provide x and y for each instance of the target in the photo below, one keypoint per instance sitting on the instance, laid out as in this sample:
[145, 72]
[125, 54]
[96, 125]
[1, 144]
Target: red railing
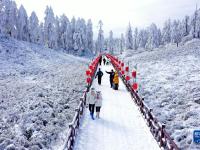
[157, 129]
[74, 125]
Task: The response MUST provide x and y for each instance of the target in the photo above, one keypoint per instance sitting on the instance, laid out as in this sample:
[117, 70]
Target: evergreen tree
[129, 38]
[22, 24]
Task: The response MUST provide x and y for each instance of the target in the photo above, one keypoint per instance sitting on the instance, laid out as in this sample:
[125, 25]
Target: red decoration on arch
[87, 72]
[88, 80]
[135, 86]
[128, 78]
[127, 69]
[134, 74]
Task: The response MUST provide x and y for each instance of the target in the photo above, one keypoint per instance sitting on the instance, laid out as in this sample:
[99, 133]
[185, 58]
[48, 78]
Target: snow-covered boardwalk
[121, 126]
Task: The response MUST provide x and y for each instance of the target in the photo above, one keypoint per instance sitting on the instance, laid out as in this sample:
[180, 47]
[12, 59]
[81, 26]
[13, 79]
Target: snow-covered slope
[169, 79]
[39, 90]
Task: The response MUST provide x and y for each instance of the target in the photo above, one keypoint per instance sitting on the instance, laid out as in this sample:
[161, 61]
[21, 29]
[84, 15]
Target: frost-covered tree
[195, 24]
[186, 26]
[111, 42]
[9, 18]
[135, 37]
[2, 9]
[41, 39]
[65, 33]
[22, 24]
[100, 38]
[166, 32]
[89, 35]
[129, 38]
[79, 37]
[176, 34]
[198, 24]
[122, 43]
[49, 28]
[33, 28]
[143, 38]
[153, 37]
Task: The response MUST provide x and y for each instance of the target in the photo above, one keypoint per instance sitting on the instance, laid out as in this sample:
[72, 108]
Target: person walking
[98, 103]
[91, 99]
[100, 60]
[112, 73]
[104, 61]
[99, 75]
[116, 81]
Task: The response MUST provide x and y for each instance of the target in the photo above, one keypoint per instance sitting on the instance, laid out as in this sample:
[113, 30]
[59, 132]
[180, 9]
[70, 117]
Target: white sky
[115, 14]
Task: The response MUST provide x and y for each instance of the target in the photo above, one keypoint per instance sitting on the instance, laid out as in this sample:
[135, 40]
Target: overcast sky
[115, 14]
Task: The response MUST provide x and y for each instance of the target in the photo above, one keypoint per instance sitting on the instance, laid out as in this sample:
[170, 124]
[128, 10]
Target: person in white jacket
[91, 99]
[98, 103]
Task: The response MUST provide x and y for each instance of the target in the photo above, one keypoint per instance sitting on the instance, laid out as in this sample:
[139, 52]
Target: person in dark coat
[112, 74]
[104, 61]
[100, 60]
[99, 75]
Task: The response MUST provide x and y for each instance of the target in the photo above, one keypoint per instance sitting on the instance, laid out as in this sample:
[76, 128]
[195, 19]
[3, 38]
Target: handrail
[157, 129]
[74, 125]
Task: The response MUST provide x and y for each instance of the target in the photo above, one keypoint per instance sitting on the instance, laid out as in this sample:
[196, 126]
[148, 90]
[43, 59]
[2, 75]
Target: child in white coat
[98, 103]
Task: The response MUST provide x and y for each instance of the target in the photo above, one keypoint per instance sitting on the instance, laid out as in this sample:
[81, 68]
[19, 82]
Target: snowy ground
[169, 79]
[39, 90]
[121, 126]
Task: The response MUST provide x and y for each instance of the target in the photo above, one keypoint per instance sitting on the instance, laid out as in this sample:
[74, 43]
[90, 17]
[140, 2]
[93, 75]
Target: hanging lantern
[134, 74]
[135, 86]
[88, 80]
[128, 78]
[127, 69]
[123, 72]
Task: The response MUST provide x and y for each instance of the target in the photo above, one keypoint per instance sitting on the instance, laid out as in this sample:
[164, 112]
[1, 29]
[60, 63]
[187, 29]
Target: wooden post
[162, 136]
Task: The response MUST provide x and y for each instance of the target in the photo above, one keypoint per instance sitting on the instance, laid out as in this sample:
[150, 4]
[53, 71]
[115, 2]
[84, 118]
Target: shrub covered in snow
[169, 80]
[39, 90]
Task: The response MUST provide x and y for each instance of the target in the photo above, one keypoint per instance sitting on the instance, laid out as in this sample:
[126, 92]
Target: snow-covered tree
[1, 15]
[135, 37]
[89, 35]
[41, 39]
[33, 28]
[122, 43]
[49, 28]
[198, 24]
[65, 34]
[22, 24]
[153, 37]
[129, 38]
[100, 39]
[195, 24]
[176, 34]
[9, 18]
[186, 26]
[111, 42]
[79, 37]
[166, 32]
[143, 38]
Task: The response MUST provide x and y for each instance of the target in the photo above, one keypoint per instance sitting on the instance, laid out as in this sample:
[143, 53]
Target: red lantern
[91, 67]
[135, 86]
[127, 78]
[119, 62]
[122, 64]
[127, 69]
[134, 74]
[123, 72]
[88, 80]
[87, 72]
